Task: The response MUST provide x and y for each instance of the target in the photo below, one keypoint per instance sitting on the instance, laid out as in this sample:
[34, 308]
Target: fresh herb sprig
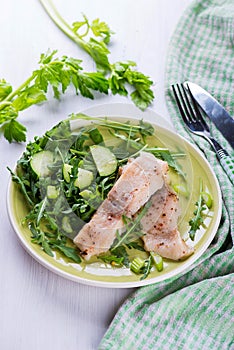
[57, 73]
[133, 229]
[129, 133]
[143, 127]
[94, 37]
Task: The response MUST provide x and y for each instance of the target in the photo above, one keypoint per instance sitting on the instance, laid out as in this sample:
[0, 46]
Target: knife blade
[214, 110]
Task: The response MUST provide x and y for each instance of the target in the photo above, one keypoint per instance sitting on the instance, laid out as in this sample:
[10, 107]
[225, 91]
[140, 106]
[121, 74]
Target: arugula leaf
[41, 208]
[147, 268]
[112, 259]
[133, 230]
[135, 245]
[69, 252]
[132, 139]
[46, 247]
[167, 156]
[40, 238]
[120, 252]
[20, 182]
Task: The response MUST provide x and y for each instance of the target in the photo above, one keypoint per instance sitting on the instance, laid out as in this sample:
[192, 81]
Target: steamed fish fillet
[139, 180]
[98, 235]
[160, 225]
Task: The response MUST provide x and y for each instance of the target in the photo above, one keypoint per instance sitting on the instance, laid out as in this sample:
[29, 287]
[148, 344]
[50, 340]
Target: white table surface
[38, 309]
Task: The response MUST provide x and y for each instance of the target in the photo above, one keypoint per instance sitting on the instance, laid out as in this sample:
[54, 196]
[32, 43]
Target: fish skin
[160, 226]
[140, 179]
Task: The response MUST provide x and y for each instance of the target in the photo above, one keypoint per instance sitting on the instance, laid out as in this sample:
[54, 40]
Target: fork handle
[227, 163]
[224, 158]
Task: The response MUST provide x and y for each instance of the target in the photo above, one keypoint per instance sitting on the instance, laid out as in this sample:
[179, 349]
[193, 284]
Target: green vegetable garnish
[157, 260]
[204, 202]
[207, 198]
[133, 229]
[58, 73]
[112, 259]
[94, 37]
[137, 264]
[141, 266]
[181, 189]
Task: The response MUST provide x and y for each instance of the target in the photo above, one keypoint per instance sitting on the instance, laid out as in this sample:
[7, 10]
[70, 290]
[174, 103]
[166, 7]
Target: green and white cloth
[194, 310]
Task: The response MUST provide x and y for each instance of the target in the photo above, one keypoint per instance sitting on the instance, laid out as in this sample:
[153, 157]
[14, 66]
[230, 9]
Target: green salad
[66, 174]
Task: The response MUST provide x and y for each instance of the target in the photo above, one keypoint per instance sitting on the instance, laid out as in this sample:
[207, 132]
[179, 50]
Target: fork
[195, 122]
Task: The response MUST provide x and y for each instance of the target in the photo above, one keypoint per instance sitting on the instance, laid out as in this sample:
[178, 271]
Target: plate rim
[133, 284]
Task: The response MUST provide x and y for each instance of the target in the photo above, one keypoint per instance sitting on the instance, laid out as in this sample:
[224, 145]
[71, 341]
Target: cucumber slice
[104, 160]
[40, 162]
[52, 192]
[85, 194]
[67, 169]
[66, 225]
[84, 178]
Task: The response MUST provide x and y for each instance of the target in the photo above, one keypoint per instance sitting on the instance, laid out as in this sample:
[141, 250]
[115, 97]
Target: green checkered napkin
[194, 310]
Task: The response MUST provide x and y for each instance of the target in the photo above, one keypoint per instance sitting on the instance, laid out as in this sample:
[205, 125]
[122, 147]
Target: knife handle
[227, 163]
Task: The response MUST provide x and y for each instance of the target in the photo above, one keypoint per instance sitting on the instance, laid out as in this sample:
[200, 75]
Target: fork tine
[197, 110]
[181, 104]
[187, 104]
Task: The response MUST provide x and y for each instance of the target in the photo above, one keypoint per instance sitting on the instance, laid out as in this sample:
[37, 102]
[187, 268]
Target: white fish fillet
[139, 180]
[160, 224]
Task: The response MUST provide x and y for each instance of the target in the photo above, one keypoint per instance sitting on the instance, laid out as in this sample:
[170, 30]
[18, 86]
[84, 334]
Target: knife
[214, 110]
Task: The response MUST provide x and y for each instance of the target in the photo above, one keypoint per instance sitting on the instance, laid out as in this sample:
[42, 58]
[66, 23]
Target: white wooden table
[38, 309]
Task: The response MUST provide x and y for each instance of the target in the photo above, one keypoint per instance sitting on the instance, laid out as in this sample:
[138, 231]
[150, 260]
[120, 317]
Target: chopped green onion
[158, 261]
[137, 264]
[207, 198]
[181, 189]
[96, 136]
